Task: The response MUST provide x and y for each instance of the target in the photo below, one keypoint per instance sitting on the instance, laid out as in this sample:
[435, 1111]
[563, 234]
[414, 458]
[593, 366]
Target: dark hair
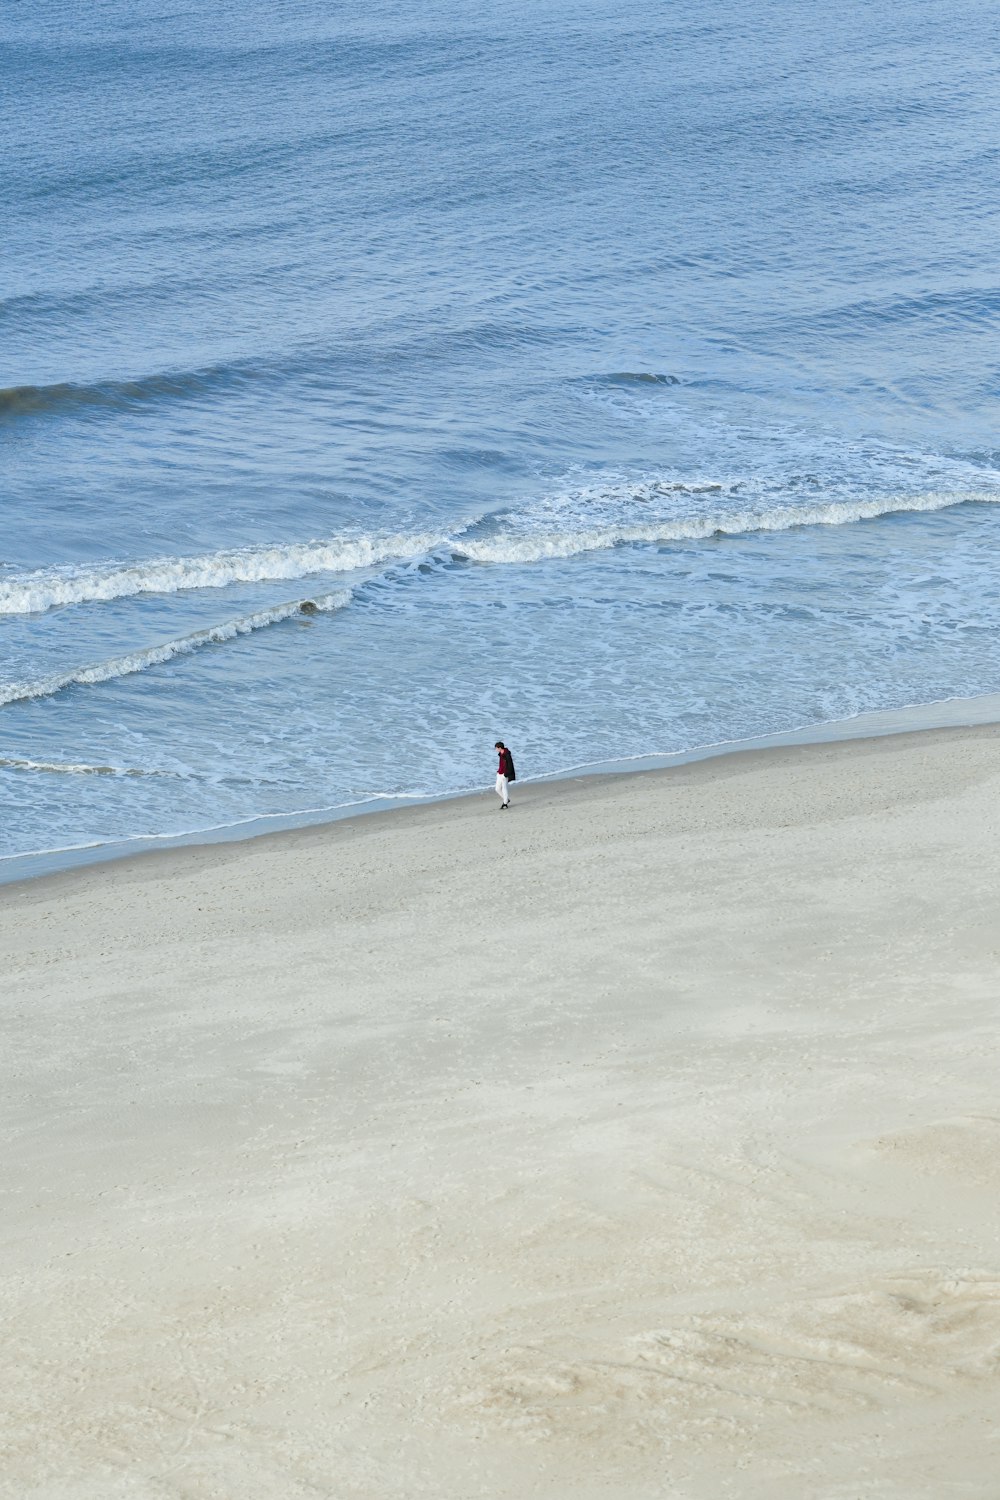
[499, 745]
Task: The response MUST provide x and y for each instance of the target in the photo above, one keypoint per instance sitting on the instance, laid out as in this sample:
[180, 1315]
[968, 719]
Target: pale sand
[642, 1141]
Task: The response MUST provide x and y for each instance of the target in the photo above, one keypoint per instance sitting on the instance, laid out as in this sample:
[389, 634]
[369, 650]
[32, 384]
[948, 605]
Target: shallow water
[612, 381]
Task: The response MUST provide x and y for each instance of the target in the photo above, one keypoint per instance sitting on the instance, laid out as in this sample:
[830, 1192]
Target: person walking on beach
[505, 774]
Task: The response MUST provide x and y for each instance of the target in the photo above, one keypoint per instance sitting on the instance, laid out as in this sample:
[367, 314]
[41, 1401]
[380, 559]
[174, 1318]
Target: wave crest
[560, 526]
[154, 656]
[538, 545]
[72, 768]
[31, 593]
[637, 377]
[24, 400]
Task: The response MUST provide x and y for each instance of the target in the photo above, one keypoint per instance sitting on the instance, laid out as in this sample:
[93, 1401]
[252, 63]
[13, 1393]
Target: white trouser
[502, 791]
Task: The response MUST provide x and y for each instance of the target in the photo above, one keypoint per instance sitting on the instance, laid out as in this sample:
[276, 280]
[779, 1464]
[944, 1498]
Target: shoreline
[943, 714]
[645, 1137]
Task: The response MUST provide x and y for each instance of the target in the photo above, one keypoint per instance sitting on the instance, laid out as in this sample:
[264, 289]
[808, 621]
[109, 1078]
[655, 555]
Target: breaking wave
[154, 656]
[537, 544]
[561, 526]
[30, 593]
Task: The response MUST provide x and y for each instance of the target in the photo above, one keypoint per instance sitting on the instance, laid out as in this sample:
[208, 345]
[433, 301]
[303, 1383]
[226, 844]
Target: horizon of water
[612, 382]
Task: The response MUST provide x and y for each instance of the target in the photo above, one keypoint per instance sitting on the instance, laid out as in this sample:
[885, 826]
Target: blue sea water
[614, 378]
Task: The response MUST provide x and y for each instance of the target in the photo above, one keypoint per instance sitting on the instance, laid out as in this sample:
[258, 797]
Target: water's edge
[950, 713]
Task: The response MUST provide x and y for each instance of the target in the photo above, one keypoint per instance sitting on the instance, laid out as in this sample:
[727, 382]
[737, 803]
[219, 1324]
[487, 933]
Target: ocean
[612, 379]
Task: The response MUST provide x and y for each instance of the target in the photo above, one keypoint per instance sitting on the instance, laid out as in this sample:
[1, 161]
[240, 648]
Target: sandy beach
[643, 1142]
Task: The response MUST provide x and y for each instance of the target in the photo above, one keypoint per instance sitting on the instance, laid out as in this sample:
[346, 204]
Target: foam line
[31, 593]
[154, 656]
[535, 546]
[513, 537]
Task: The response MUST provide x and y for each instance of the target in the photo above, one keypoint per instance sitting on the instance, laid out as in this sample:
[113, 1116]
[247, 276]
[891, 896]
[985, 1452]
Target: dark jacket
[506, 766]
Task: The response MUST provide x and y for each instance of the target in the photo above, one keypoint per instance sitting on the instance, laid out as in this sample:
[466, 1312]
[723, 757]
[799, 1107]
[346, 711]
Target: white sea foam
[561, 525]
[29, 593]
[153, 656]
[524, 546]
